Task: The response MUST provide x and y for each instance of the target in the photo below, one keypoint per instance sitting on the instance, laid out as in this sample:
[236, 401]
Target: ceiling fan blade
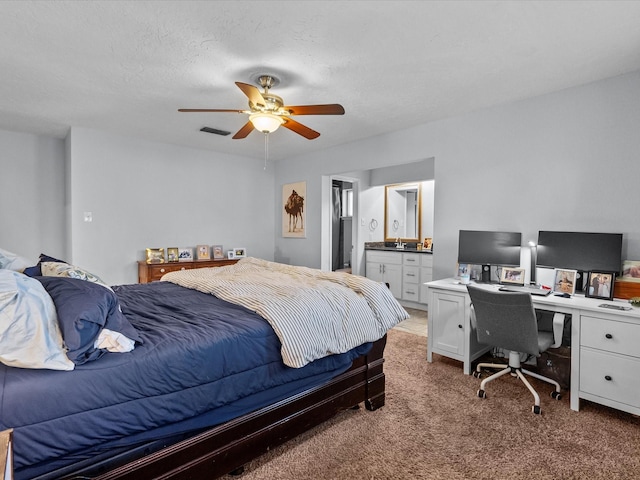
[331, 109]
[244, 131]
[209, 110]
[253, 93]
[300, 129]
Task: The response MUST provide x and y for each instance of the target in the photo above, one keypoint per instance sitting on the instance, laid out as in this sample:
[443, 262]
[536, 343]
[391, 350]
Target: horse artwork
[295, 208]
[293, 219]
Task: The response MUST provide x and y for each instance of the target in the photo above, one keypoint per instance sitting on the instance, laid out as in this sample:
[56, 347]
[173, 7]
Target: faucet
[399, 243]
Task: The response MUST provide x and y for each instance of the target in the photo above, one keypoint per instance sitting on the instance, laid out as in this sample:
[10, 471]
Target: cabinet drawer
[411, 275]
[411, 291]
[157, 271]
[391, 258]
[411, 259]
[610, 335]
[610, 376]
[426, 260]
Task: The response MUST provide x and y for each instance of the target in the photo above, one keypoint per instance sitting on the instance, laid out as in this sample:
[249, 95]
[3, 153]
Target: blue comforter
[202, 362]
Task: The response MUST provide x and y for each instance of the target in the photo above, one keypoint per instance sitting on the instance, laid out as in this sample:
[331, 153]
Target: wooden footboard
[229, 446]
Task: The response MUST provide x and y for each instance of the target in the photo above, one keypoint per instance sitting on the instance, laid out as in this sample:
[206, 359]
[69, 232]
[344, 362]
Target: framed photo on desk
[600, 285]
[512, 276]
[565, 281]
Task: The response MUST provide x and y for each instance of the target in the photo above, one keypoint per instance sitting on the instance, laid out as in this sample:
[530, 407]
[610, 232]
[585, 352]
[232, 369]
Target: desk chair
[508, 320]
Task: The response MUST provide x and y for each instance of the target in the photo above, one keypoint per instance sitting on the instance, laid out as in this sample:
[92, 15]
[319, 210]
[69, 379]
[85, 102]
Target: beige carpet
[434, 427]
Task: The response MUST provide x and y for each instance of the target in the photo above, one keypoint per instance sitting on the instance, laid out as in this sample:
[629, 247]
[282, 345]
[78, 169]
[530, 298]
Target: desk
[605, 344]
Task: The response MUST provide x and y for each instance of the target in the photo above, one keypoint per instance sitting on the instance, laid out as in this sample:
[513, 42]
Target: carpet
[433, 426]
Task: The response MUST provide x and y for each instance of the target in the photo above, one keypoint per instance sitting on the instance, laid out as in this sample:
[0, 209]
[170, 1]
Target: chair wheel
[536, 409]
[477, 374]
[482, 394]
[556, 395]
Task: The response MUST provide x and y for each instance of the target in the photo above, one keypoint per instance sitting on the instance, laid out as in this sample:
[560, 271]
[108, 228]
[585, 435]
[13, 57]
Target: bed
[209, 384]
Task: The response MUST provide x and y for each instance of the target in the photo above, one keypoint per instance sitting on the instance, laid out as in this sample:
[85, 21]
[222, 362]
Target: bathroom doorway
[341, 225]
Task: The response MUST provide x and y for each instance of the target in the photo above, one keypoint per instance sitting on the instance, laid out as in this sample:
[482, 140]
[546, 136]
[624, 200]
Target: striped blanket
[314, 313]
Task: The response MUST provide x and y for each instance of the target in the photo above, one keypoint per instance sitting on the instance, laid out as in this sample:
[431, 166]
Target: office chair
[508, 320]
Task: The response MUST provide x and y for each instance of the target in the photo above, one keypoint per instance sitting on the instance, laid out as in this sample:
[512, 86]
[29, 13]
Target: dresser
[152, 272]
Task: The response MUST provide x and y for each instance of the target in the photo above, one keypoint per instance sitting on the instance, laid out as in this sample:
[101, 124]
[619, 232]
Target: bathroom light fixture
[266, 122]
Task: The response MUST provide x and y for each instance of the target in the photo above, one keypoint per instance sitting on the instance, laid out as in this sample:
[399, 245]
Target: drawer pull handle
[459, 326]
[183, 268]
[608, 378]
[162, 270]
[411, 274]
[609, 336]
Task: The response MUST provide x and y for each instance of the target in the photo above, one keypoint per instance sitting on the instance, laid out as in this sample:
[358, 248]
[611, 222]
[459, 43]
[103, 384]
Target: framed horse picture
[294, 209]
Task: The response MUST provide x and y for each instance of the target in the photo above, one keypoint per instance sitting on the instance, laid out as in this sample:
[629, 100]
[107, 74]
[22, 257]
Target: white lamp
[266, 122]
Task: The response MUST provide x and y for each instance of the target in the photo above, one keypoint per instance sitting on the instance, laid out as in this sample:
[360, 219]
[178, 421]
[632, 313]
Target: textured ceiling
[127, 66]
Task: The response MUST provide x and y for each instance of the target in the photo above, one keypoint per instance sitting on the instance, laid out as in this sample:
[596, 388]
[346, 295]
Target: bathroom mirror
[402, 212]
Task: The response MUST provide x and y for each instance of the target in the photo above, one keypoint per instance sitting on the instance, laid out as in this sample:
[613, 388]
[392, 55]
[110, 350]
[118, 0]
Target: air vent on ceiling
[214, 130]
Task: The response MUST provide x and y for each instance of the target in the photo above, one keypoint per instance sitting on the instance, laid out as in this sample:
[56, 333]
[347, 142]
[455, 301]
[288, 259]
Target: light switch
[88, 217]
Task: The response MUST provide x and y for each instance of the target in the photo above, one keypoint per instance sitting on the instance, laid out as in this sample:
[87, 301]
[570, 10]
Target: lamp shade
[266, 122]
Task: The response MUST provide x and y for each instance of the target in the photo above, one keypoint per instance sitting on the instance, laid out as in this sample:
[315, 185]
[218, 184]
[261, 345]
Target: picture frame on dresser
[185, 254]
[173, 254]
[239, 252]
[600, 285]
[203, 252]
[155, 255]
[218, 252]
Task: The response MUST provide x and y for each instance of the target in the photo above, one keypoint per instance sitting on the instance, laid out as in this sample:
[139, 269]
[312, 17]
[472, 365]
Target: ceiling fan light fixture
[265, 122]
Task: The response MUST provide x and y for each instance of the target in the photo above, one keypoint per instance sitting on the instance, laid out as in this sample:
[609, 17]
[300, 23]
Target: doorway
[339, 232]
[341, 225]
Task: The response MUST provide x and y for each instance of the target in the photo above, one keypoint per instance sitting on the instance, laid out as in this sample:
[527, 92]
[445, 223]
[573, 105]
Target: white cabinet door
[385, 267]
[447, 322]
[393, 276]
[374, 271]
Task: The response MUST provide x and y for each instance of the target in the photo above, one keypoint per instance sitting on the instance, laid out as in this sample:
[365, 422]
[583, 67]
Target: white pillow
[59, 269]
[29, 333]
[11, 261]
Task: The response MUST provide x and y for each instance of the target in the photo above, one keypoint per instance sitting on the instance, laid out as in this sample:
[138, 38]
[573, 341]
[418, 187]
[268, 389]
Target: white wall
[32, 195]
[141, 195]
[574, 151]
[144, 194]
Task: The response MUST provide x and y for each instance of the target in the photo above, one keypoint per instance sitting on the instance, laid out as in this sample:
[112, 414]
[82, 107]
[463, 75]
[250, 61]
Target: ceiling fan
[267, 111]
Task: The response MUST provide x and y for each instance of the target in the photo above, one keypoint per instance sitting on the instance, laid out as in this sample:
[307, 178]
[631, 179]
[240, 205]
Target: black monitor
[580, 251]
[479, 247]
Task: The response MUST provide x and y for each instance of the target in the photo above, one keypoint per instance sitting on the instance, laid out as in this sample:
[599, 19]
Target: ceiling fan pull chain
[266, 149]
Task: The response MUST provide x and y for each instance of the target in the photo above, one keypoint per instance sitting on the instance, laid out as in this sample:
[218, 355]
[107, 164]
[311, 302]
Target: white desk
[605, 343]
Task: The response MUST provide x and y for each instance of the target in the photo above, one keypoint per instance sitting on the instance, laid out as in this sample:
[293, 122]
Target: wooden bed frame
[228, 447]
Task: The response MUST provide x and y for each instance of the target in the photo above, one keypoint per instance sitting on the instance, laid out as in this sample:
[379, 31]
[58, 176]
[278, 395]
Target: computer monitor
[486, 248]
[580, 251]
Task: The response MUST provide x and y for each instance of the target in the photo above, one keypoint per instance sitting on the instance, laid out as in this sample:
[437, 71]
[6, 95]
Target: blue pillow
[84, 308]
[36, 271]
